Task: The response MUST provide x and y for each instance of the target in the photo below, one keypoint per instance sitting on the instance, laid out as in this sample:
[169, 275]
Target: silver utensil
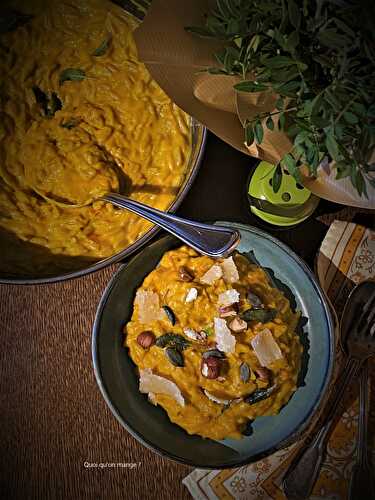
[358, 339]
[362, 484]
[214, 241]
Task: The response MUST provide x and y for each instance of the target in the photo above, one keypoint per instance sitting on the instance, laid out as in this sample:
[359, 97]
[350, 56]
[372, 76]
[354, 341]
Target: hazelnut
[146, 339]
[184, 274]
[238, 325]
[210, 367]
[263, 373]
[227, 311]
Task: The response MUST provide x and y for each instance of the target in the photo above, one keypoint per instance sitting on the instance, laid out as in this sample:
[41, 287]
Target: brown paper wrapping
[177, 59]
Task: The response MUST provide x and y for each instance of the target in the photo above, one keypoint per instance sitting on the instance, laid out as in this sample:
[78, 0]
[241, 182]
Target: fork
[359, 339]
[362, 483]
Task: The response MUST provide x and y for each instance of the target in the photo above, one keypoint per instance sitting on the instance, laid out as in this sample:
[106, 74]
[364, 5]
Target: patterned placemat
[346, 257]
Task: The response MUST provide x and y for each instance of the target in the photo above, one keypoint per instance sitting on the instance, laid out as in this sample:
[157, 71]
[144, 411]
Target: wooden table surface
[54, 421]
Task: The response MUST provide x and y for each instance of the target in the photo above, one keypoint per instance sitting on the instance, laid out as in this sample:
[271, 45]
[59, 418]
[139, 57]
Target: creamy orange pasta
[75, 102]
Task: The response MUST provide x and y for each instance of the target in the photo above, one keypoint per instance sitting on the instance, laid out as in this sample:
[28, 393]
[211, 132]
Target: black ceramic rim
[291, 438]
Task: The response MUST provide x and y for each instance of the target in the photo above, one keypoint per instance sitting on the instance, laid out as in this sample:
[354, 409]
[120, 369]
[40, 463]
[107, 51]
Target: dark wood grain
[53, 418]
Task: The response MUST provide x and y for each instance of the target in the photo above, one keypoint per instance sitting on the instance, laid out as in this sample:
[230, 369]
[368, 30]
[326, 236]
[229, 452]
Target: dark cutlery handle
[303, 472]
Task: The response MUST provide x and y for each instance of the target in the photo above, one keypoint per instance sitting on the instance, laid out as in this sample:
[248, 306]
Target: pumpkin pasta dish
[78, 111]
[215, 343]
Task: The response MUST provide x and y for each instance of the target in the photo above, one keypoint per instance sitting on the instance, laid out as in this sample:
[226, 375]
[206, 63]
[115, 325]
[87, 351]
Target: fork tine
[370, 320]
[369, 303]
[372, 330]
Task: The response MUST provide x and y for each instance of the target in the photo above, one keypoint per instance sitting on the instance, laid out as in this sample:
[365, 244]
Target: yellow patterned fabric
[346, 257]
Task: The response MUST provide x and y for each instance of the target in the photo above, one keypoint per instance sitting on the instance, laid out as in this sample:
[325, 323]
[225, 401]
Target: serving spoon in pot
[358, 338]
[207, 239]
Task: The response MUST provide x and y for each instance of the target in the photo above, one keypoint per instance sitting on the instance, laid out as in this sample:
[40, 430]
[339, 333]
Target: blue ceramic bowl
[117, 379]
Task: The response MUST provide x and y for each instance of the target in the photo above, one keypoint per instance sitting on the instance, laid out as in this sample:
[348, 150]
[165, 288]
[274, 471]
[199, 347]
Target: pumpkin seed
[174, 356]
[208, 331]
[259, 395]
[244, 372]
[254, 300]
[261, 315]
[171, 315]
[215, 353]
[172, 340]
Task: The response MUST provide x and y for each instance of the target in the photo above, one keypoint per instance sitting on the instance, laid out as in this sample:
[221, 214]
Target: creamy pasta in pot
[74, 103]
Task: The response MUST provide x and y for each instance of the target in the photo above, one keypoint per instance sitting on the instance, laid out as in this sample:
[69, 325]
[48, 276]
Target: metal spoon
[215, 241]
[362, 484]
[357, 335]
[207, 239]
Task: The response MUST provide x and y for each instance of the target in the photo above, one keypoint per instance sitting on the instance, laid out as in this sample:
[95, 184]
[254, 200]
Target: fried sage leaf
[259, 395]
[48, 103]
[172, 340]
[170, 314]
[260, 315]
[103, 47]
[72, 74]
[174, 356]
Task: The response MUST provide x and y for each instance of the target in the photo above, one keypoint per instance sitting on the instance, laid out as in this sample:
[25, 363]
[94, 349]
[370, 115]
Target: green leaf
[350, 118]
[358, 181]
[103, 47]
[292, 42]
[277, 178]
[360, 109]
[332, 146]
[331, 39]
[294, 14]
[249, 134]
[343, 170]
[279, 104]
[300, 138]
[250, 86]
[371, 111]
[288, 89]
[279, 62]
[269, 123]
[281, 123]
[72, 74]
[258, 132]
[290, 164]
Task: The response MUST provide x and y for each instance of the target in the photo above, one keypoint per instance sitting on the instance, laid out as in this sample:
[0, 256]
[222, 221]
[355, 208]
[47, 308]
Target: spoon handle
[303, 472]
[215, 241]
[362, 484]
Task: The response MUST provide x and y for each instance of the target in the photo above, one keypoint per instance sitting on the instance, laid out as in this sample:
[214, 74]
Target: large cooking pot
[16, 254]
[61, 267]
